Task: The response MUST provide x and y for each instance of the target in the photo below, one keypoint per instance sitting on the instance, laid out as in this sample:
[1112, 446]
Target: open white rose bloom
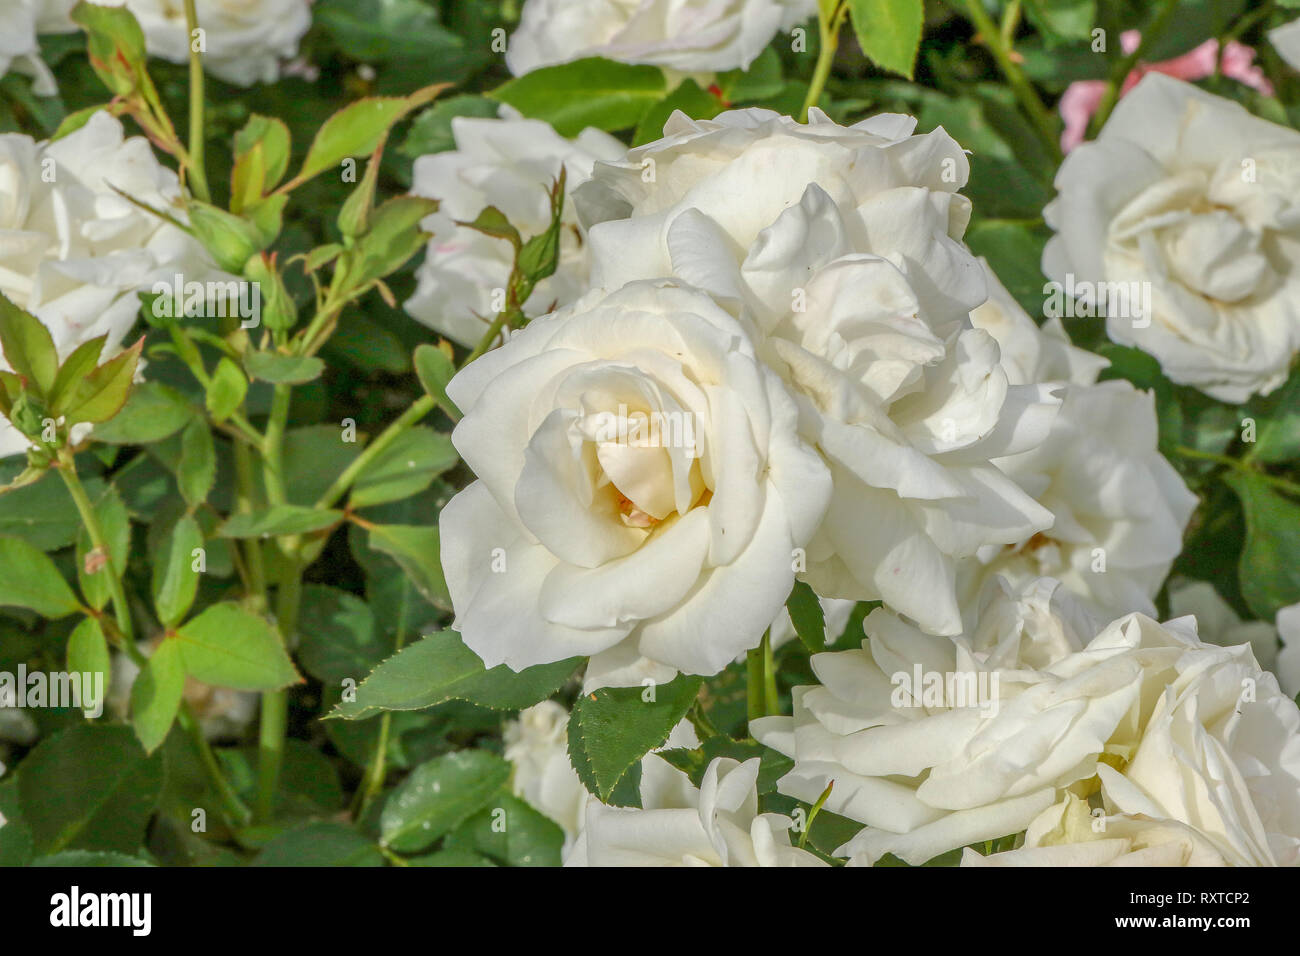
[73, 251]
[510, 164]
[1119, 507]
[839, 247]
[642, 488]
[1187, 200]
[678, 824]
[690, 36]
[936, 744]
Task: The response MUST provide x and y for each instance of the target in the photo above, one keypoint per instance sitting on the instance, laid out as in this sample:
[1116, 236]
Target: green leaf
[90, 787]
[615, 727]
[103, 393]
[589, 92]
[175, 581]
[763, 80]
[432, 130]
[279, 520]
[226, 390]
[197, 471]
[261, 160]
[152, 412]
[1270, 562]
[438, 668]
[284, 369]
[88, 654]
[43, 513]
[404, 468]
[393, 237]
[512, 833]
[1277, 439]
[416, 550]
[83, 360]
[384, 30]
[438, 796]
[889, 32]
[807, 616]
[339, 637]
[28, 347]
[156, 695]
[115, 522]
[227, 646]
[694, 763]
[320, 844]
[435, 369]
[359, 128]
[29, 579]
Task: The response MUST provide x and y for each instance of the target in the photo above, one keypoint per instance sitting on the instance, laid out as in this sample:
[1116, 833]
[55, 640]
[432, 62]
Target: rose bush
[647, 432]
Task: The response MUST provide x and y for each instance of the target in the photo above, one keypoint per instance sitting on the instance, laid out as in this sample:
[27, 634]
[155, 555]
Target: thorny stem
[198, 175]
[1242, 465]
[418, 410]
[1029, 99]
[828, 28]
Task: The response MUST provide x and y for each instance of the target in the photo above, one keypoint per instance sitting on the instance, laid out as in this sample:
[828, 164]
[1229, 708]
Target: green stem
[421, 407]
[373, 783]
[1242, 465]
[812, 814]
[198, 178]
[489, 337]
[244, 504]
[828, 28]
[1126, 65]
[121, 609]
[235, 808]
[68, 469]
[1042, 119]
[275, 704]
[763, 700]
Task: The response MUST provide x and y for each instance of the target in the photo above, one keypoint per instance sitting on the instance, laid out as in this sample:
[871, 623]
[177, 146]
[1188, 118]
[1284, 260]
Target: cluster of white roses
[1150, 734]
[244, 41]
[844, 395]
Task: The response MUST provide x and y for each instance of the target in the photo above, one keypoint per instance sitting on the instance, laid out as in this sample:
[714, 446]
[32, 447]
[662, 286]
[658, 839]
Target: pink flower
[1082, 98]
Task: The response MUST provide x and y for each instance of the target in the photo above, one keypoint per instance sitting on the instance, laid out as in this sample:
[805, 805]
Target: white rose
[1220, 753]
[690, 36]
[73, 252]
[641, 489]
[19, 50]
[1073, 834]
[841, 246]
[1191, 197]
[1286, 40]
[998, 725]
[537, 747]
[1119, 508]
[717, 824]
[508, 163]
[245, 39]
